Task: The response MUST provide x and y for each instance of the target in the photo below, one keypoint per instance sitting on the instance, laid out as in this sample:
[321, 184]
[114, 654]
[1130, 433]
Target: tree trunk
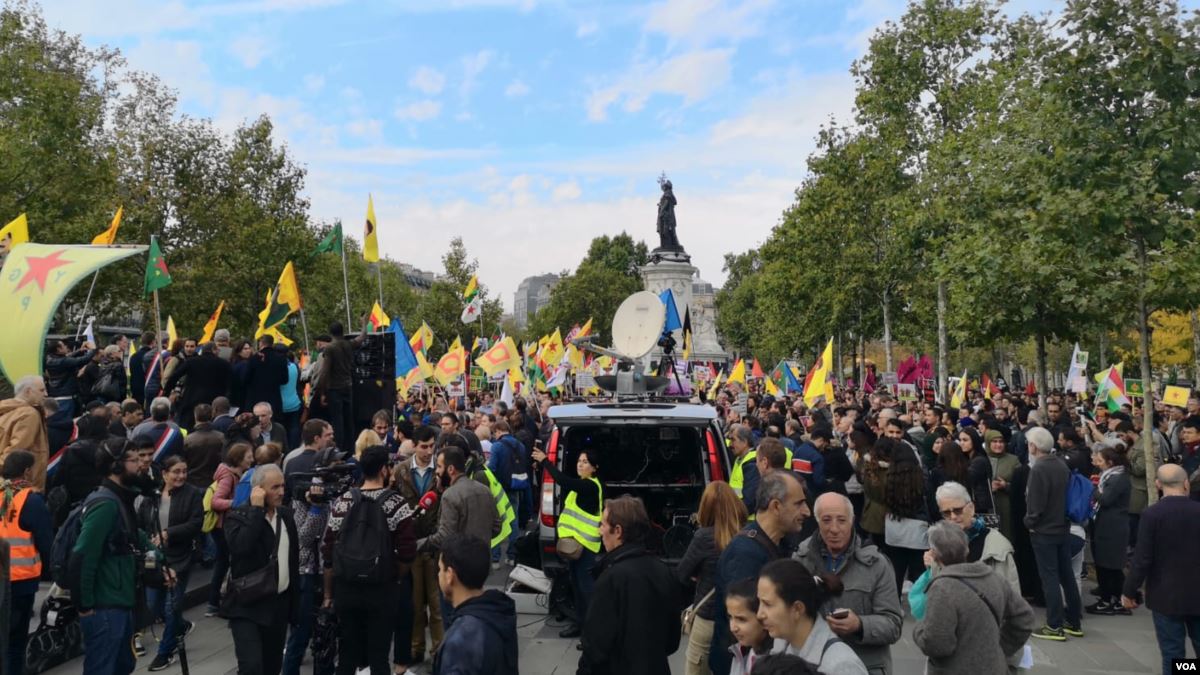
[943, 350]
[1195, 348]
[854, 360]
[862, 359]
[1147, 377]
[837, 359]
[1103, 348]
[887, 330]
[1042, 380]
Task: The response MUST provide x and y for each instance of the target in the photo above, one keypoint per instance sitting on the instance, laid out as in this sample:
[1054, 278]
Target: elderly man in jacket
[874, 619]
[23, 425]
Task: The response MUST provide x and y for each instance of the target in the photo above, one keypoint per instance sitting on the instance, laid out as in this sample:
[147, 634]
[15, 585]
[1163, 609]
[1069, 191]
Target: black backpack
[365, 553]
[65, 567]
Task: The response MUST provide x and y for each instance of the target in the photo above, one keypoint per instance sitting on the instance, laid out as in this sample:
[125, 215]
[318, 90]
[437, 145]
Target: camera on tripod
[331, 474]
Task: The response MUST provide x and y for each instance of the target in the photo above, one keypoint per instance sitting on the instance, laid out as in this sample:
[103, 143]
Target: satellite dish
[638, 324]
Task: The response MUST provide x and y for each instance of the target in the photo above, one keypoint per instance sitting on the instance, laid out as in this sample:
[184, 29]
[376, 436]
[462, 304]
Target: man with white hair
[874, 617]
[23, 425]
[1049, 532]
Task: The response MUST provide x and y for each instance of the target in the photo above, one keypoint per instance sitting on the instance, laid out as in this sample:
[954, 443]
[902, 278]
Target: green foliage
[606, 276]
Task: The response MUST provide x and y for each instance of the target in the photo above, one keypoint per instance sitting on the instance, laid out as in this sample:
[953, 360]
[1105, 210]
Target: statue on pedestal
[666, 217]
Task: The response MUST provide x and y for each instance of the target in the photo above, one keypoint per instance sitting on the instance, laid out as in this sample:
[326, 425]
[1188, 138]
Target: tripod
[667, 344]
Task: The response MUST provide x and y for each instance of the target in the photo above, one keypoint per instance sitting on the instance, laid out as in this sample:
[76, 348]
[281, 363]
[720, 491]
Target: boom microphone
[427, 502]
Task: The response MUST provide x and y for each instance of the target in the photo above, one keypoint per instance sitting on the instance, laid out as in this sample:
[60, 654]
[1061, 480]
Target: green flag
[157, 275]
[332, 243]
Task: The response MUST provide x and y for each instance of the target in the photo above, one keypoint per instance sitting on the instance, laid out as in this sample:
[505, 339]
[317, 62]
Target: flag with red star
[33, 282]
[157, 275]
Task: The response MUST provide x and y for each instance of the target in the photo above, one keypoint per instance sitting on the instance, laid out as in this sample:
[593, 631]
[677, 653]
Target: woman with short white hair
[985, 544]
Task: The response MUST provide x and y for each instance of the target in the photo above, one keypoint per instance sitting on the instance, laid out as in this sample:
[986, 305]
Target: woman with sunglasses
[985, 544]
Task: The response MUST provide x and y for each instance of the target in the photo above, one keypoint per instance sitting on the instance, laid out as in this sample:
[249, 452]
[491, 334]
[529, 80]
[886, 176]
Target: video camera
[330, 473]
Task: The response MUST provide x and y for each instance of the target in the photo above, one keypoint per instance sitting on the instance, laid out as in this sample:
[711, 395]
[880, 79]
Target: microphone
[427, 502]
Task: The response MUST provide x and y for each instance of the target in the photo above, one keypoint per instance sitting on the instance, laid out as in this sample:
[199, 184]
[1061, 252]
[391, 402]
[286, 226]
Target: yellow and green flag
[33, 282]
[282, 301]
[210, 328]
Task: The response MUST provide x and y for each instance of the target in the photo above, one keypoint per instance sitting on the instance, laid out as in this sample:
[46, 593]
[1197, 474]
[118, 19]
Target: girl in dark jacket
[979, 470]
[1110, 527]
[177, 516]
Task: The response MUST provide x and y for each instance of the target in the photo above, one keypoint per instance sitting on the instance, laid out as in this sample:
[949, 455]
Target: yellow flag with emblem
[33, 282]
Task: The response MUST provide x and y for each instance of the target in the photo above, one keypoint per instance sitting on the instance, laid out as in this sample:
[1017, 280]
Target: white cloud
[250, 49]
[702, 22]
[473, 66]
[692, 76]
[586, 28]
[565, 192]
[516, 89]
[314, 82]
[368, 128]
[427, 80]
[420, 111]
[178, 63]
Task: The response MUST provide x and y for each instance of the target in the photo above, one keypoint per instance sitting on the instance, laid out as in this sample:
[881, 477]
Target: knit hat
[991, 435]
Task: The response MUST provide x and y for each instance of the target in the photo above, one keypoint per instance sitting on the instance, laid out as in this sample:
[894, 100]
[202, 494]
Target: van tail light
[548, 518]
[715, 468]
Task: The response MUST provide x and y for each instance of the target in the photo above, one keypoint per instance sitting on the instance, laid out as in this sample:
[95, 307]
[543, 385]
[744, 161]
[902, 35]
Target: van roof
[633, 409]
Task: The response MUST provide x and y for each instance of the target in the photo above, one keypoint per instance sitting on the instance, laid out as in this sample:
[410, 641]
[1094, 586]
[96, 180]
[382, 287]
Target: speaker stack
[374, 377]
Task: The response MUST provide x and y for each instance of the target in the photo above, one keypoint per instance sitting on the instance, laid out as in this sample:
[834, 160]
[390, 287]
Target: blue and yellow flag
[33, 282]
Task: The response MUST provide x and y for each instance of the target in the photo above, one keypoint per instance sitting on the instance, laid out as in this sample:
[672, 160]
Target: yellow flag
[716, 387]
[738, 374]
[109, 236]
[422, 339]
[16, 232]
[503, 356]
[574, 357]
[280, 338]
[552, 353]
[821, 384]
[515, 374]
[211, 327]
[586, 330]
[959, 395]
[34, 279]
[452, 365]
[370, 236]
[424, 368]
[172, 334]
[282, 301]
[771, 388]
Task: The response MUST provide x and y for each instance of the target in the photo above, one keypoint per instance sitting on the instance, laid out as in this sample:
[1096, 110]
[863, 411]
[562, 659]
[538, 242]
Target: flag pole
[304, 323]
[157, 325]
[379, 277]
[346, 286]
[86, 303]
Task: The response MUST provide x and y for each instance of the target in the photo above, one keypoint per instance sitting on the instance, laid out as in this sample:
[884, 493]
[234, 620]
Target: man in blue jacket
[482, 638]
[507, 465]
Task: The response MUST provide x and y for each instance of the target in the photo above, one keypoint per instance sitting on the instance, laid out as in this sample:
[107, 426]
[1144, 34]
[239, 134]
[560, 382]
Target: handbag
[689, 613]
[911, 533]
[569, 549]
[261, 583]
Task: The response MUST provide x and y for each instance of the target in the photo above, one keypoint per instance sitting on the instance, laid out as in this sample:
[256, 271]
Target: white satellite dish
[638, 324]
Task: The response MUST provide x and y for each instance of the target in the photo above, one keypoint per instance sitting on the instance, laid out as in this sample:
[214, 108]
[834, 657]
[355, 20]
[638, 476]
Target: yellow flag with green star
[34, 280]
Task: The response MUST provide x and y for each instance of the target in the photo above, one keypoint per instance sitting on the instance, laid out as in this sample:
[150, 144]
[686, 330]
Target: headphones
[117, 456]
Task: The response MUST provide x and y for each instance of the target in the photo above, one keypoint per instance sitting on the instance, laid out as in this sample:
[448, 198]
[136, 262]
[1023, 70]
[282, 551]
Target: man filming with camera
[367, 576]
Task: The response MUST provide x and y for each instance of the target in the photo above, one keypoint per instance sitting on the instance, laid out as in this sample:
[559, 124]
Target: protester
[262, 538]
[77, 475]
[290, 405]
[579, 522]
[789, 598]
[872, 470]
[508, 464]
[202, 447]
[782, 510]
[632, 624]
[334, 384]
[26, 525]
[984, 544]
[267, 430]
[243, 352]
[415, 478]
[176, 516]
[62, 374]
[720, 517]
[744, 476]
[874, 617]
[367, 438]
[1110, 527]
[316, 436]
[974, 620]
[751, 640]
[1165, 560]
[366, 577]
[908, 515]
[23, 425]
[265, 375]
[238, 458]
[482, 638]
[110, 549]
[166, 437]
[1046, 518]
[1003, 466]
[311, 512]
[137, 367]
[207, 377]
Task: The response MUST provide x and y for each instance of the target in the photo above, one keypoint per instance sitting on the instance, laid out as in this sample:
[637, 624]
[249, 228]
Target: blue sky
[525, 126]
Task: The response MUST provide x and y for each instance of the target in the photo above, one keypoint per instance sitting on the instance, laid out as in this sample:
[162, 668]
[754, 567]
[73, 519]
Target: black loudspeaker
[374, 377]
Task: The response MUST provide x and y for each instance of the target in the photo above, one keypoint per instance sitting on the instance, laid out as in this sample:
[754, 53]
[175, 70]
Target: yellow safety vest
[503, 507]
[737, 481]
[583, 527]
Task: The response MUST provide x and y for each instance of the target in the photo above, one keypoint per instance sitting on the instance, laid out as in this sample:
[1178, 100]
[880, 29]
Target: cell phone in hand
[840, 614]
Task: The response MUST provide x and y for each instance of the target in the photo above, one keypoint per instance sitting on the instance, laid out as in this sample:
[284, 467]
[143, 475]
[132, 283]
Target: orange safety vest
[24, 561]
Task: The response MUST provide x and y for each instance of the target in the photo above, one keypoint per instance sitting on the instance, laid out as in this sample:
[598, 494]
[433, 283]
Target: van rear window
[637, 455]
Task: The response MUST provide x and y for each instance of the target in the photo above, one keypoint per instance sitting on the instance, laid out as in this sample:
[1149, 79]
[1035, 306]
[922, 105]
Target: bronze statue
[666, 217]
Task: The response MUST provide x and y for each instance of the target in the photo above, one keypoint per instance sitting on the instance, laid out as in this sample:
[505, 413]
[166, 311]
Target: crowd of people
[369, 544]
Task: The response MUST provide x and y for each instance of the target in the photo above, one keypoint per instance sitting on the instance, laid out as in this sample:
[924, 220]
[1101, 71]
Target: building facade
[532, 295]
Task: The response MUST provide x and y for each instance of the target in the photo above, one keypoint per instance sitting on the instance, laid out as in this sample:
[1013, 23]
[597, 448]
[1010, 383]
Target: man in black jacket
[62, 380]
[632, 623]
[137, 368]
[267, 373]
[482, 639]
[1168, 547]
[1049, 530]
[335, 385]
[208, 377]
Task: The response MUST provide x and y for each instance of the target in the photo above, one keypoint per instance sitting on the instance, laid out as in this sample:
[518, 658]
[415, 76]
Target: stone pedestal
[679, 275]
